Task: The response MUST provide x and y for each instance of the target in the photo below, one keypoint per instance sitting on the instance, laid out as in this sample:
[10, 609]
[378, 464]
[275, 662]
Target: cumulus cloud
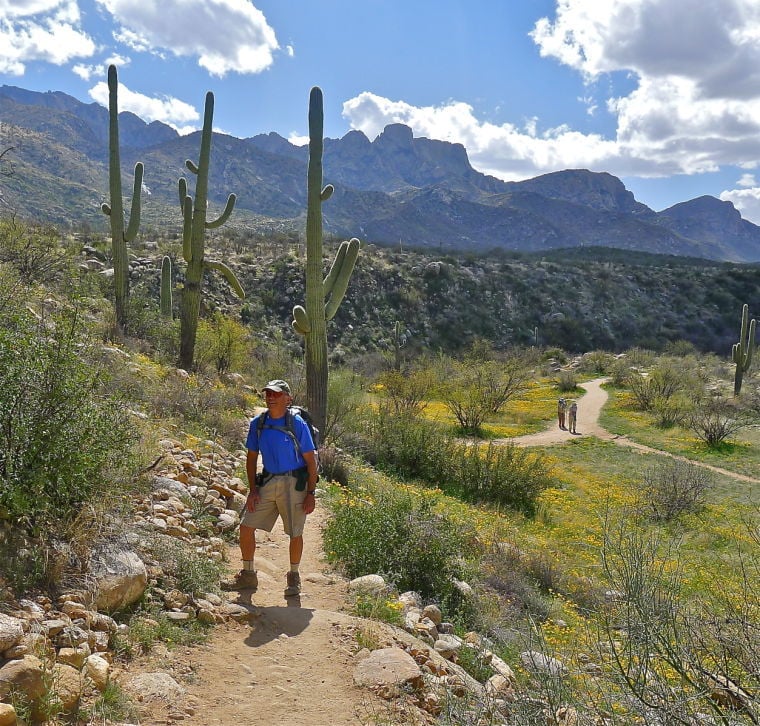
[747, 201]
[693, 70]
[87, 72]
[225, 35]
[48, 30]
[169, 110]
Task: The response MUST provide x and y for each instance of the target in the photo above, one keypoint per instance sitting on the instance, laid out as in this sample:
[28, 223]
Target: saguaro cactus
[115, 210]
[166, 288]
[741, 353]
[323, 296]
[194, 239]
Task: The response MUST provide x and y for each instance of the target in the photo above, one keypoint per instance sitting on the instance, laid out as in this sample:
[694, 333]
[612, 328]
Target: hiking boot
[294, 584]
[243, 580]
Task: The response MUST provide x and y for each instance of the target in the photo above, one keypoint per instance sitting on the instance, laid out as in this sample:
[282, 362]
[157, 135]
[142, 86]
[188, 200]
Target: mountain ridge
[395, 188]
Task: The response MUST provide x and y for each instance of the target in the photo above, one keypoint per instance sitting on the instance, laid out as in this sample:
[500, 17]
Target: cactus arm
[182, 192]
[337, 264]
[229, 275]
[301, 320]
[134, 212]
[192, 166]
[106, 209]
[341, 280]
[187, 229]
[166, 288]
[326, 193]
[225, 215]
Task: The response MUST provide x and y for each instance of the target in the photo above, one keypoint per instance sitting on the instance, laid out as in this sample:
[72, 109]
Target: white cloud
[87, 72]
[169, 110]
[693, 68]
[297, 140]
[747, 201]
[225, 35]
[47, 30]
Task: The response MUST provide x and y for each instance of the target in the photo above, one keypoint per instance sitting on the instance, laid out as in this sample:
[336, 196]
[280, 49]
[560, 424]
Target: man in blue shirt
[285, 489]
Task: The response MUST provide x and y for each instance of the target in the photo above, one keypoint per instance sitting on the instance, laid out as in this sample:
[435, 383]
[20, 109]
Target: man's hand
[309, 503]
[252, 500]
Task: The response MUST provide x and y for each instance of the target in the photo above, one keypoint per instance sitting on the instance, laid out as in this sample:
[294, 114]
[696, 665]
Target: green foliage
[62, 445]
[567, 382]
[379, 607]
[406, 392]
[33, 251]
[185, 569]
[222, 343]
[113, 705]
[346, 406]
[390, 533]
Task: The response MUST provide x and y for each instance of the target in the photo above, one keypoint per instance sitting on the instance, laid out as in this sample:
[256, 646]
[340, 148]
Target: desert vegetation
[635, 571]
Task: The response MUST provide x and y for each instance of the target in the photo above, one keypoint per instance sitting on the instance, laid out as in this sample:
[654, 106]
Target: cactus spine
[166, 288]
[194, 238]
[323, 297]
[115, 210]
[741, 352]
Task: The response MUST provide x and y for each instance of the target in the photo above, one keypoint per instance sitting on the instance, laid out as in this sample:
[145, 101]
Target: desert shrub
[597, 362]
[566, 382]
[335, 465]
[62, 445]
[409, 447]
[672, 488]
[389, 532]
[222, 343]
[669, 412]
[716, 419]
[506, 476]
[680, 348]
[33, 250]
[405, 391]
[183, 568]
[346, 406]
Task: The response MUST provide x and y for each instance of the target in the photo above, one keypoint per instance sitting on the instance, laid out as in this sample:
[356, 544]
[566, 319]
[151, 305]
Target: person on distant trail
[572, 417]
[561, 408]
[285, 488]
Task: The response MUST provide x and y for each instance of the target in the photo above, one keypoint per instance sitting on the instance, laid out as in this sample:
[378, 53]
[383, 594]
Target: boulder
[11, 631]
[120, 577]
[388, 667]
[23, 675]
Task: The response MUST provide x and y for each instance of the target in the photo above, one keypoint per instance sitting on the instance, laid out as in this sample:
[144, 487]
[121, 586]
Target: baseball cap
[277, 386]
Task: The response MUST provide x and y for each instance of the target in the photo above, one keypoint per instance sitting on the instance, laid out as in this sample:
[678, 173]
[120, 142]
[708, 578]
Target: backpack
[290, 428]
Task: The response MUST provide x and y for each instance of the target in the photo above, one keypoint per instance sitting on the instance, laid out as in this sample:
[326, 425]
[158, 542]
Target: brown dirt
[292, 664]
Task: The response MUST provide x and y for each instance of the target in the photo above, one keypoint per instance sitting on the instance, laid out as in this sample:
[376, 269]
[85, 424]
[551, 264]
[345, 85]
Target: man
[573, 417]
[561, 408]
[286, 488]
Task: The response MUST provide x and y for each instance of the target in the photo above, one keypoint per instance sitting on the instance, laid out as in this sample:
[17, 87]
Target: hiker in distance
[572, 417]
[561, 408]
[285, 488]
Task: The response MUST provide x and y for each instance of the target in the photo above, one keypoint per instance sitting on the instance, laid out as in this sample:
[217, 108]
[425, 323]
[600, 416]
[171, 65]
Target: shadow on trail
[271, 623]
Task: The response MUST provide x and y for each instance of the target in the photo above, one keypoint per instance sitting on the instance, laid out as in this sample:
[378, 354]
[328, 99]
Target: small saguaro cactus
[741, 352]
[194, 238]
[120, 237]
[323, 296]
[166, 288]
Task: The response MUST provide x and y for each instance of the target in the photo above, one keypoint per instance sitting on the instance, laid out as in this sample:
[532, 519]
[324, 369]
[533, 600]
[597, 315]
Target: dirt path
[291, 665]
[589, 408]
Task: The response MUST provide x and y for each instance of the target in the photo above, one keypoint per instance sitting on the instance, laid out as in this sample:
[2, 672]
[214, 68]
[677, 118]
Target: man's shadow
[269, 623]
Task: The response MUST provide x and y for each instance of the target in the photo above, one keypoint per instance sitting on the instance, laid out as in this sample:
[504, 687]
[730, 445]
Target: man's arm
[311, 466]
[251, 461]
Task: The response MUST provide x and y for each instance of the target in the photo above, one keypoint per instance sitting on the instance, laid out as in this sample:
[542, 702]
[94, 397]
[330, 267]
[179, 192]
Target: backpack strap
[289, 428]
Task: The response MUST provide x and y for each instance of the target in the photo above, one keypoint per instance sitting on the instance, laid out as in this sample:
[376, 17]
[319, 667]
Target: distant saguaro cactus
[166, 288]
[115, 210]
[323, 297]
[741, 352]
[194, 239]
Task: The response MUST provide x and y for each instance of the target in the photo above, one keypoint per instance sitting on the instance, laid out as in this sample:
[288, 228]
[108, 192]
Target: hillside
[421, 191]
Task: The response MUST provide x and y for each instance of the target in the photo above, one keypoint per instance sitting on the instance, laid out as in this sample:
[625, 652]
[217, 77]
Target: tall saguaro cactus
[323, 296]
[194, 240]
[741, 353]
[120, 237]
[165, 299]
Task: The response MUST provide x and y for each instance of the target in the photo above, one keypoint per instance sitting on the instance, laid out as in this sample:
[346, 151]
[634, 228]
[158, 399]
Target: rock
[434, 613]
[68, 685]
[155, 686]
[497, 685]
[98, 670]
[410, 600]
[24, 675]
[536, 662]
[74, 657]
[388, 668]
[448, 646]
[7, 715]
[120, 576]
[368, 584]
[11, 631]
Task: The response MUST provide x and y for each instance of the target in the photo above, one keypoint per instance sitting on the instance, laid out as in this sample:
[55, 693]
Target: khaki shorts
[278, 498]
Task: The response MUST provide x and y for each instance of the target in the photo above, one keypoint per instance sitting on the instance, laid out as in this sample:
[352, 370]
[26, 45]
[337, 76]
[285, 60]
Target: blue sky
[664, 94]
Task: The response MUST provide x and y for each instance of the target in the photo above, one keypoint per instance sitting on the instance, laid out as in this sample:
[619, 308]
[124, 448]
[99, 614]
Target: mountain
[395, 189]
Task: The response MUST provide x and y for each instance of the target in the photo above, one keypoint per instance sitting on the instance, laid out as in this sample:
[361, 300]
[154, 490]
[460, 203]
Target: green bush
[506, 476]
[391, 533]
[62, 444]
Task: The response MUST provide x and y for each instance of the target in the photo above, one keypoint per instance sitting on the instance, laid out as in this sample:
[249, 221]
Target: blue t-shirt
[277, 448]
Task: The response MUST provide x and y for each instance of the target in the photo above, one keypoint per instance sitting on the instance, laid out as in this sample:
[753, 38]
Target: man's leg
[246, 579]
[294, 576]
